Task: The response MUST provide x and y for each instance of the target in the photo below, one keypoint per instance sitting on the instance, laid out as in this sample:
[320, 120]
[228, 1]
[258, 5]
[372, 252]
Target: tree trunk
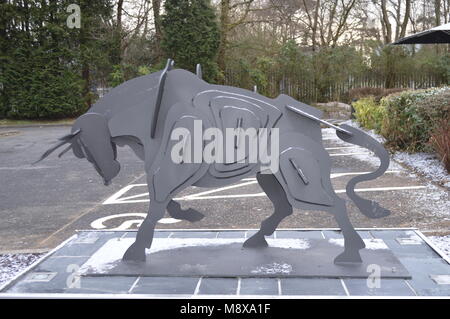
[315, 23]
[118, 34]
[224, 25]
[156, 4]
[437, 13]
[386, 23]
[85, 74]
[405, 19]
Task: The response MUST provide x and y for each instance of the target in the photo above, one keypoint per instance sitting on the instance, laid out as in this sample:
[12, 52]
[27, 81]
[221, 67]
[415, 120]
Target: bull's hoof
[374, 211]
[190, 215]
[256, 241]
[348, 257]
[134, 253]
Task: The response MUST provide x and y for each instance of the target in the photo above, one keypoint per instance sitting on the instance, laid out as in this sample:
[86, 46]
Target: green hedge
[38, 86]
[412, 116]
[406, 119]
[369, 113]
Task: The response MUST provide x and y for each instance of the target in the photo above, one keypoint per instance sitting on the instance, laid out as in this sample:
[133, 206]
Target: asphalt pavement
[43, 204]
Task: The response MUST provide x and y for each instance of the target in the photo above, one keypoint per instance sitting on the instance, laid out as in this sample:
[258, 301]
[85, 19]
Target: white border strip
[244, 229]
[181, 296]
[434, 247]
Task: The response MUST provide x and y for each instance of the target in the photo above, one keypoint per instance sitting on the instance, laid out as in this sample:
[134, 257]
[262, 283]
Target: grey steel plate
[214, 257]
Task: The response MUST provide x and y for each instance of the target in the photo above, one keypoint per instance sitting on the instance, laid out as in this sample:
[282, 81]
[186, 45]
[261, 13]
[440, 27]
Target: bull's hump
[127, 95]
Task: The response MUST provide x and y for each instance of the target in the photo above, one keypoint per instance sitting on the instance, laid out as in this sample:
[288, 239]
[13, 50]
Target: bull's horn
[64, 140]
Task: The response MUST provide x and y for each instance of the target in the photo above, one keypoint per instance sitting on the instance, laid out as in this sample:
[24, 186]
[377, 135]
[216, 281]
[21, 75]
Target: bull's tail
[369, 208]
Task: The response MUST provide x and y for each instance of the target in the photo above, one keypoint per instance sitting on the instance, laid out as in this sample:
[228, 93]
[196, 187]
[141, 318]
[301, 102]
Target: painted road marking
[118, 198]
[25, 167]
[346, 154]
[339, 191]
[342, 147]
[128, 224]
[334, 175]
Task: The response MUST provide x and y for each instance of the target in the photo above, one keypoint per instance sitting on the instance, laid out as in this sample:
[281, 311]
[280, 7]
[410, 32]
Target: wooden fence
[304, 88]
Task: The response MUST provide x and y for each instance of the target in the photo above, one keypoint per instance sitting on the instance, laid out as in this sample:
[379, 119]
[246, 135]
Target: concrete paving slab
[259, 286]
[385, 287]
[164, 285]
[218, 286]
[312, 287]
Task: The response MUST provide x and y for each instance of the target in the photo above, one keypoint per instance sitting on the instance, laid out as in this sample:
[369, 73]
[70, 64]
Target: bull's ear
[95, 143]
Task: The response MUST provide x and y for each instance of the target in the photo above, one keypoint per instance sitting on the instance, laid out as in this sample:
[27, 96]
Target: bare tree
[157, 22]
[232, 14]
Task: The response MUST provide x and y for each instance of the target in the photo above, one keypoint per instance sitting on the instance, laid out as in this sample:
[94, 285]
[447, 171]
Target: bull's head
[90, 138]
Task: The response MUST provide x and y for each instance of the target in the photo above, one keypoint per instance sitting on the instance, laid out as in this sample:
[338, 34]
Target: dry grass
[8, 122]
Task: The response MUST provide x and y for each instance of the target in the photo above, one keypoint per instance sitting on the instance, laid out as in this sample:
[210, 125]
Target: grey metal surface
[143, 112]
[424, 268]
[230, 260]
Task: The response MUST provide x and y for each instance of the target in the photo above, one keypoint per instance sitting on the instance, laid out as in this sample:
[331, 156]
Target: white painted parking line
[342, 147]
[346, 154]
[25, 167]
[339, 191]
[223, 188]
[334, 175]
[138, 198]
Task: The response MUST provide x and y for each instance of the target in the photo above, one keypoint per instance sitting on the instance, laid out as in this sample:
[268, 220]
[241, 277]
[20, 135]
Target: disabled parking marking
[128, 224]
[119, 198]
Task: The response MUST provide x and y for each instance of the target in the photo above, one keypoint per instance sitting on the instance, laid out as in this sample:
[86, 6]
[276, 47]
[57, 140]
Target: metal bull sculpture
[143, 112]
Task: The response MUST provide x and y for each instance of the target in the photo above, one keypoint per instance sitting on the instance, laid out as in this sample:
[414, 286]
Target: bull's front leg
[171, 171]
[144, 236]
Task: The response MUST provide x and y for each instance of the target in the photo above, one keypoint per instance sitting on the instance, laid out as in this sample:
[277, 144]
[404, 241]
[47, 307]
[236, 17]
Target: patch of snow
[426, 164]
[357, 152]
[373, 244]
[288, 243]
[273, 268]
[12, 264]
[442, 243]
[437, 199]
[372, 133]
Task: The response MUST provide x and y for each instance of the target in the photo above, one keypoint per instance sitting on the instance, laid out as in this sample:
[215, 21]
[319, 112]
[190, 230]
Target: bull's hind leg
[277, 196]
[144, 236]
[352, 241]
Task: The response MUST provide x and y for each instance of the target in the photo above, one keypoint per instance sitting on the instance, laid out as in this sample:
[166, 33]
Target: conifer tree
[191, 35]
